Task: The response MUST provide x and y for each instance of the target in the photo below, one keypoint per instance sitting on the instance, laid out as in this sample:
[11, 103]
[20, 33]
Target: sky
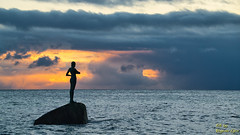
[120, 44]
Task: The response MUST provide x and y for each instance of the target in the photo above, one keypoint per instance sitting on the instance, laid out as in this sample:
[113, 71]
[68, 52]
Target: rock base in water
[72, 113]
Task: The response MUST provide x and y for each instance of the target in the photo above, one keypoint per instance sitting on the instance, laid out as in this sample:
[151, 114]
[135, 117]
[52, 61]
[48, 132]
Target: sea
[125, 112]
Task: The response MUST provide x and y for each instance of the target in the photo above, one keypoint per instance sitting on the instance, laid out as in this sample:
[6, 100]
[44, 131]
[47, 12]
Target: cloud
[16, 56]
[82, 20]
[97, 2]
[191, 68]
[44, 61]
[119, 39]
[38, 40]
[108, 2]
[119, 31]
[9, 56]
[106, 75]
[195, 50]
[127, 68]
[131, 67]
[16, 63]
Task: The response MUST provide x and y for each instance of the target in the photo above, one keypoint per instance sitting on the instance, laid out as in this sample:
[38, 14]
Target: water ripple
[123, 112]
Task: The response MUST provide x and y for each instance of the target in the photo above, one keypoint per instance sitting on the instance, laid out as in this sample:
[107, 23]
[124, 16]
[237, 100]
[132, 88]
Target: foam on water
[124, 111]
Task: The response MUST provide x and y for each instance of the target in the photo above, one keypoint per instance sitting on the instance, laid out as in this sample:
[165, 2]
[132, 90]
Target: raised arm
[67, 74]
[77, 72]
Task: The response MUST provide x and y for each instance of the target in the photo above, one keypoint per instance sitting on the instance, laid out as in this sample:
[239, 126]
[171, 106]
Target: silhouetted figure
[73, 79]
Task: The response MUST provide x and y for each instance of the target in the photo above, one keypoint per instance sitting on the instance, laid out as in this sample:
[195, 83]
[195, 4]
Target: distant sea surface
[119, 112]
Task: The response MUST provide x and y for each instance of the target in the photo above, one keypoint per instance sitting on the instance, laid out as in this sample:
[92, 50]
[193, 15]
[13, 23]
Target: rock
[72, 113]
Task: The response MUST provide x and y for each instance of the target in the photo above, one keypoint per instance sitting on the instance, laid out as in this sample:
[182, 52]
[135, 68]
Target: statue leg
[72, 87]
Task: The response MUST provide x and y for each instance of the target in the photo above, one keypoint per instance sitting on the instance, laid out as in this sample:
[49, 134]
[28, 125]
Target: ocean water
[123, 112]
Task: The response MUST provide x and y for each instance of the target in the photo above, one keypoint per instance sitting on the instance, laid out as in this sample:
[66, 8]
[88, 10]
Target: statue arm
[67, 74]
[77, 72]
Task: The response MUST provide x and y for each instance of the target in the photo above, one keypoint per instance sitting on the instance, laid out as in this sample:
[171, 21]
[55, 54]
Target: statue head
[73, 64]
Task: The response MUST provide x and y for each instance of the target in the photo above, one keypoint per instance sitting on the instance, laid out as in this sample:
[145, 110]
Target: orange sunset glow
[22, 77]
[150, 73]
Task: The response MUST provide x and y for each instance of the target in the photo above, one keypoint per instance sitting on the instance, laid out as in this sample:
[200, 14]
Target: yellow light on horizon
[53, 76]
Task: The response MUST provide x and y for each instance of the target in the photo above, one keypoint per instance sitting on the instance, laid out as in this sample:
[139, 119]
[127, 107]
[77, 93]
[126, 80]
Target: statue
[73, 79]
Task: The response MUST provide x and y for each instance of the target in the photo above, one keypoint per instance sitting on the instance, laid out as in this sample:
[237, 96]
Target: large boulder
[72, 113]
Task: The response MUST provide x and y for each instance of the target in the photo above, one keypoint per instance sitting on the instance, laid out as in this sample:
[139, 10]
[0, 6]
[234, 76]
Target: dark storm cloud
[193, 68]
[16, 56]
[82, 20]
[23, 41]
[143, 39]
[190, 62]
[44, 61]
